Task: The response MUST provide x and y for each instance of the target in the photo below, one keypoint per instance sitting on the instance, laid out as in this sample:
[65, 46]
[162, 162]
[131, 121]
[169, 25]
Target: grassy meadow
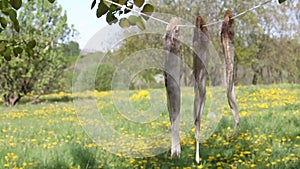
[68, 131]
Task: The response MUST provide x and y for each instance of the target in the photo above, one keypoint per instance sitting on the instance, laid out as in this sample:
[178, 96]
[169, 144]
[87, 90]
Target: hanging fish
[172, 76]
[200, 61]
[227, 39]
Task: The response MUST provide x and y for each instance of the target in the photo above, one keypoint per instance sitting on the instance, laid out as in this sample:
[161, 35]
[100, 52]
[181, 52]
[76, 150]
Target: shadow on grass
[84, 158]
[73, 156]
[27, 100]
[55, 99]
[54, 165]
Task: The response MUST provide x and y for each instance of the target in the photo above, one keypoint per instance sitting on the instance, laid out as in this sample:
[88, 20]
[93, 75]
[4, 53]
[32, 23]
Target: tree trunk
[255, 78]
[11, 99]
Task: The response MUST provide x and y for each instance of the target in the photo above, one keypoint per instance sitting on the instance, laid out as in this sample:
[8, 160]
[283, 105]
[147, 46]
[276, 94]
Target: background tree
[37, 67]
[266, 39]
[71, 48]
[9, 21]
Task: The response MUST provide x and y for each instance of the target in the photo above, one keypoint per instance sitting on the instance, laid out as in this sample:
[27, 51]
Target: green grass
[52, 135]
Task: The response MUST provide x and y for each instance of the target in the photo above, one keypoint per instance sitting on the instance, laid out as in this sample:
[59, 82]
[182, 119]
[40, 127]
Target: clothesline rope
[236, 16]
[209, 24]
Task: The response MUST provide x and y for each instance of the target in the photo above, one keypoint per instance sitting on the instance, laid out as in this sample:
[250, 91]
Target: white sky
[83, 18]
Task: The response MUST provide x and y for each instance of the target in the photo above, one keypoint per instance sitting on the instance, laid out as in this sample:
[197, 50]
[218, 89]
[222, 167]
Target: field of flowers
[57, 134]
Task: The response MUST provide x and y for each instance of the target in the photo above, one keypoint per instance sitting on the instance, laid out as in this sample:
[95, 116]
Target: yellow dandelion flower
[243, 113]
[132, 160]
[210, 158]
[89, 145]
[192, 141]
[200, 166]
[15, 157]
[263, 136]
[225, 143]
[237, 147]
[143, 94]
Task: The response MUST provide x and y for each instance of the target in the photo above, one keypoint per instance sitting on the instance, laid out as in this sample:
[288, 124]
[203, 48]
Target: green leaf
[17, 51]
[93, 4]
[7, 57]
[110, 18]
[148, 9]
[13, 18]
[133, 19]
[51, 1]
[114, 8]
[16, 25]
[2, 46]
[139, 3]
[7, 54]
[3, 22]
[124, 23]
[16, 4]
[5, 11]
[122, 2]
[30, 52]
[31, 44]
[13, 15]
[140, 24]
[4, 3]
[281, 1]
[102, 9]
